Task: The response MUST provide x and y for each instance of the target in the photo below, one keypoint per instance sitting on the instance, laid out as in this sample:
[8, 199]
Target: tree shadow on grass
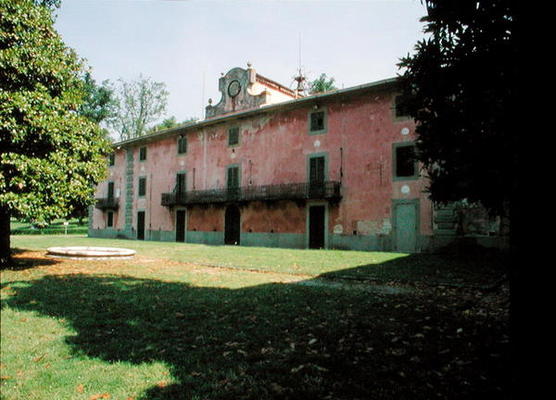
[476, 268]
[272, 341]
[20, 262]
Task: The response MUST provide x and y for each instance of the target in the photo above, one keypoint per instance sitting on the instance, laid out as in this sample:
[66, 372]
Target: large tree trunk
[5, 253]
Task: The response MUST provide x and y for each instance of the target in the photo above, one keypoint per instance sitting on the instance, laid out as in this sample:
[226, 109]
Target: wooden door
[232, 225]
[141, 225]
[316, 227]
[180, 226]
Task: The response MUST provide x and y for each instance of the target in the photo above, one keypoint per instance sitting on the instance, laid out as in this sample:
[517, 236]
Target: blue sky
[187, 43]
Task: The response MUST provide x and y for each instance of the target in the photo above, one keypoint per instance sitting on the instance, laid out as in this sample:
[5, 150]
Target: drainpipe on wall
[341, 164]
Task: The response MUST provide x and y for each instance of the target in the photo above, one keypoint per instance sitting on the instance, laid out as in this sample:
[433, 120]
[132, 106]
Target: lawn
[471, 269]
[185, 321]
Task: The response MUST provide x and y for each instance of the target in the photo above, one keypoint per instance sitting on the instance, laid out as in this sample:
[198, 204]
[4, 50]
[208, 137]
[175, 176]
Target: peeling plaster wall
[274, 148]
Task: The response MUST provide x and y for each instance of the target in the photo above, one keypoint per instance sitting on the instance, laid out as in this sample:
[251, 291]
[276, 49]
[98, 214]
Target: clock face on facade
[233, 88]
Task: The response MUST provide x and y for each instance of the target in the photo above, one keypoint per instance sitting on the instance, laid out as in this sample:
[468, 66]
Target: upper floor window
[233, 136]
[181, 182]
[405, 161]
[142, 153]
[317, 170]
[112, 159]
[317, 122]
[110, 193]
[142, 190]
[232, 180]
[400, 107]
[182, 144]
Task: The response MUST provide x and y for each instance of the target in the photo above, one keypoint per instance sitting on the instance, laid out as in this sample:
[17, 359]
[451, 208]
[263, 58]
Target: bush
[50, 231]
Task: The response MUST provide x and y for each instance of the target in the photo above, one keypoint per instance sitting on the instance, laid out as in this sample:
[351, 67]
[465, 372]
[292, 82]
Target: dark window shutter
[316, 170]
[181, 183]
[182, 145]
[142, 186]
[233, 177]
[317, 121]
[142, 154]
[233, 136]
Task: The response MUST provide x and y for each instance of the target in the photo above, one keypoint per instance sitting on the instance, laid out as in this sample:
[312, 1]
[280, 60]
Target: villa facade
[269, 167]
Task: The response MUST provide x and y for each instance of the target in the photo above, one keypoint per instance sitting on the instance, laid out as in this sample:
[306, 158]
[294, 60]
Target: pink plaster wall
[273, 149]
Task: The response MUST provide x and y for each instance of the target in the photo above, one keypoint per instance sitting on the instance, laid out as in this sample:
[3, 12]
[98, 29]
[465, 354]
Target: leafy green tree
[98, 106]
[50, 4]
[322, 84]
[462, 88]
[99, 101]
[50, 156]
[459, 86]
[139, 104]
[170, 122]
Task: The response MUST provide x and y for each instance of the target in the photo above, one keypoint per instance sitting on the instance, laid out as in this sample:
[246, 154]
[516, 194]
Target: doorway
[141, 225]
[232, 225]
[180, 225]
[406, 225]
[317, 226]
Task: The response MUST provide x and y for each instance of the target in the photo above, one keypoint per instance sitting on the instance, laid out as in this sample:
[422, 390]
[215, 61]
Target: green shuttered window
[233, 136]
[142, 191]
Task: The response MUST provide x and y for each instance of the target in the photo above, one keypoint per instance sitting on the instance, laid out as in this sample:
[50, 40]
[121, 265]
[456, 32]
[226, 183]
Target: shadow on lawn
[475, 268]
[20, 263]
[274, 341]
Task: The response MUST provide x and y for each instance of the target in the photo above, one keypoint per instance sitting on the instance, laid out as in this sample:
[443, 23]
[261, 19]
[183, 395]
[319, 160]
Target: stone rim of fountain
[90, 252]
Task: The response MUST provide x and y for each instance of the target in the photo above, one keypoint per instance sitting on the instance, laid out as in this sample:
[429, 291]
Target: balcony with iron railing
[288, 191]
[107, 203]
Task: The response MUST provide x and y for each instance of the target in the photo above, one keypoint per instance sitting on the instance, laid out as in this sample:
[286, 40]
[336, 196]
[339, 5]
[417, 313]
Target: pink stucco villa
[269, 167]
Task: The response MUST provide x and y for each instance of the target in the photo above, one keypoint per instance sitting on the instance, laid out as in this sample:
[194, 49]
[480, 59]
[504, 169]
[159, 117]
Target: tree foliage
[170, 122]
[50, 4]
[322, 84]
[99, 100]
[139, 104]
[460, 86]
[50, 155]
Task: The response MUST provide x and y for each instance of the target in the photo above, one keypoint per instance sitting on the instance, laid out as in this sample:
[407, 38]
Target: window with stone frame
[182, 144]
[405, 161]
[142, 190]
[233, 136]
[317, 121]
[142, 153]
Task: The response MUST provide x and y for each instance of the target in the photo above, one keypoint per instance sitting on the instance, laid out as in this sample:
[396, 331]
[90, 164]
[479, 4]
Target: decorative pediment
[243, 89]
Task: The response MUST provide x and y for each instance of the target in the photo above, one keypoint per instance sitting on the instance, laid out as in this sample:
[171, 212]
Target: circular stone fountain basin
[90, 253]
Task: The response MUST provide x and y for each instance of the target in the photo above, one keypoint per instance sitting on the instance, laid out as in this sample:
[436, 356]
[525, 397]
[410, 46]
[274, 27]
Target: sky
[187, 44]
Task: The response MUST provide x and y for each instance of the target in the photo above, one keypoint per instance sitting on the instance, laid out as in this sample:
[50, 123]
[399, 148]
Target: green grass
[472, 268]
[154, 327]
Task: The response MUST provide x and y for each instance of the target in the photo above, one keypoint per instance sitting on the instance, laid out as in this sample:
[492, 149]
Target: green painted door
[406, 227]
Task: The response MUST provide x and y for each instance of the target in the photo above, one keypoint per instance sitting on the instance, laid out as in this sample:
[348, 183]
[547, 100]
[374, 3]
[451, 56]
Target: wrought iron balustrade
[107, 203]
[288, 191]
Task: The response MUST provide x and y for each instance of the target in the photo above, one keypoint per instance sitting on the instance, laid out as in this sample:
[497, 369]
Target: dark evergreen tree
[462, 86]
